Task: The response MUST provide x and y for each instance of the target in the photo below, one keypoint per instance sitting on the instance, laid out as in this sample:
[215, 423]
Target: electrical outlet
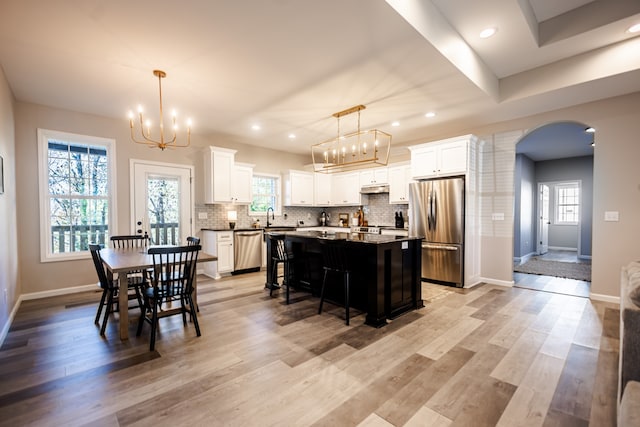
[308, 216]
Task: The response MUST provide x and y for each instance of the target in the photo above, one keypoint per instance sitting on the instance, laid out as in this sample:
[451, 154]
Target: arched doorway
[553, 208]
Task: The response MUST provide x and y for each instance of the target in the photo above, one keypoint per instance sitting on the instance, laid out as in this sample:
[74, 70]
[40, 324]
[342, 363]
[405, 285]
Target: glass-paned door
[162, 202]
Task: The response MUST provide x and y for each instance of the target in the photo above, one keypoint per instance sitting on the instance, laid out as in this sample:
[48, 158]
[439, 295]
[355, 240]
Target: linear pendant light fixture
[161, 141]
[355, 150]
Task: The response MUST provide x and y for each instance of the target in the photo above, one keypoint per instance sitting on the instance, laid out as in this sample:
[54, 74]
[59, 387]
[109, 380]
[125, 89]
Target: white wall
[616, 185]
[9, 277]
[50, 276]
[616, 182]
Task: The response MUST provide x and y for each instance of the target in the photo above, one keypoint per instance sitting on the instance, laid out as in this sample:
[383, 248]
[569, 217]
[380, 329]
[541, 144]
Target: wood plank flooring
[486, 356]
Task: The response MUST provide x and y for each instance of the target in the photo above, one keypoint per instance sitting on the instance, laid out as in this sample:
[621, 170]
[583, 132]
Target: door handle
[441, 247]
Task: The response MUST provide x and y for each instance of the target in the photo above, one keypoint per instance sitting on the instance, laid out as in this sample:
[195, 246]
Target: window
[76, 193]
[265, 194]
[567, 203]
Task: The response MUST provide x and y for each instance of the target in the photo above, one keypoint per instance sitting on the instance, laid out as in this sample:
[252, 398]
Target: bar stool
[280, 255]
[335, 260]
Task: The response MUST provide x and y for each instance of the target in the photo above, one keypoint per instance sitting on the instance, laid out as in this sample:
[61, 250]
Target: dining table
[121, 261]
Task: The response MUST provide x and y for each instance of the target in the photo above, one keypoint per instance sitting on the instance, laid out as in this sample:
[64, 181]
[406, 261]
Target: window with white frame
[77, 197]
[567, 203]
[265, 194]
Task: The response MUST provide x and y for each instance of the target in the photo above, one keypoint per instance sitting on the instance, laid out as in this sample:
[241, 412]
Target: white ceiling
[287, 65]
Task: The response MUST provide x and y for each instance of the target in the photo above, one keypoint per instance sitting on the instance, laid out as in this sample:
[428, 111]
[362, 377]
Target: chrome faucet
[273, 216]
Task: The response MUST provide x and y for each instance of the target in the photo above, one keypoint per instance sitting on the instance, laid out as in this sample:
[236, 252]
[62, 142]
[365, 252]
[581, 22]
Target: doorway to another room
[553, 209]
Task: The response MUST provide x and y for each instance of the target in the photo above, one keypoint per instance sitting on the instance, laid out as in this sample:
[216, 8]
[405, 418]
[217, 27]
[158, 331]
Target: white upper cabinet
[298, 188]
[441, 158]
[346, 189]
[374, 176]
[241, 185]
[322, 183]
[218, 170]
[399, 179]
[224, 180]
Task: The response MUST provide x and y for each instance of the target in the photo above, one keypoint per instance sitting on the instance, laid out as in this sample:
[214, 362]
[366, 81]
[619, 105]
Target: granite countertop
[350, 237]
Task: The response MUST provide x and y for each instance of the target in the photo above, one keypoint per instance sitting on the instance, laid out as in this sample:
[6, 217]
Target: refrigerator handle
[430, 212]
[434, 213]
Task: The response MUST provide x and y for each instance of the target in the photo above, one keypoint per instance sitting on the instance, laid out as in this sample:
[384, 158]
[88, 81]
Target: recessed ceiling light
[634, 28]
[255, 127]
[590, 130]
[292, 136]
[395, 124]
[430, 114]
[488, 32]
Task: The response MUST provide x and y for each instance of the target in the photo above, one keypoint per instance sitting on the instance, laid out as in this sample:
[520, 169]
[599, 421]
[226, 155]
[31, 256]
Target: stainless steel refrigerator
[436, 212]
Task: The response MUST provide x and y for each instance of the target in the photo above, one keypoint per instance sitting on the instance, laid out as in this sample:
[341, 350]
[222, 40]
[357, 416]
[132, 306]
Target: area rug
[568, 270]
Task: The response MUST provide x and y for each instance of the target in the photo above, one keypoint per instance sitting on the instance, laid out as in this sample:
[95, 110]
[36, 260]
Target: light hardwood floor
[480, 357]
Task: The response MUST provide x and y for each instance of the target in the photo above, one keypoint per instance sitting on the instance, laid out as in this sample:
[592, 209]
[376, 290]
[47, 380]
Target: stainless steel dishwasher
[247, 251]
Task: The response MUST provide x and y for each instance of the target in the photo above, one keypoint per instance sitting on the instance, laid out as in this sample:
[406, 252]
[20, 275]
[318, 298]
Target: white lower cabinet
[220, 244]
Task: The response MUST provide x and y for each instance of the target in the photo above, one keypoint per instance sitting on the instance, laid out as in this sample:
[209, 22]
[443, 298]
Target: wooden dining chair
[110, 289]
[193, 241]
[129, 241]
[174, 270]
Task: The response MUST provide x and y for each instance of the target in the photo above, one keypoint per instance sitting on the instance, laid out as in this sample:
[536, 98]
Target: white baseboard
[56, 292]
[605, 298]
[7, 326]
[560, 248]
[508, 284]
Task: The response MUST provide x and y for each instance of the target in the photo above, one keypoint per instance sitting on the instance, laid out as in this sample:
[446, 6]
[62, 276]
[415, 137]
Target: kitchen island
[385, 279]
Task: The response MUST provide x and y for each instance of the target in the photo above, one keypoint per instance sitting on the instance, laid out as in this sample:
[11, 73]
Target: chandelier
[353, 150]
[145, 136]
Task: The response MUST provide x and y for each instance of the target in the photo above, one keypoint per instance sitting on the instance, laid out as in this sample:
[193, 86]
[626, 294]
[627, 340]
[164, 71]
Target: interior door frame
[132, 165]
[540, 217]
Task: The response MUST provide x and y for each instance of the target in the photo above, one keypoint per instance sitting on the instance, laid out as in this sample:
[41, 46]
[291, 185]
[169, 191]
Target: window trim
[44, 135]
[556, 204]
[278, 208]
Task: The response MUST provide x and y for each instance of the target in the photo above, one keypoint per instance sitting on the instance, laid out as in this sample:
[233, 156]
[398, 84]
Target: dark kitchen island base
[385, 279]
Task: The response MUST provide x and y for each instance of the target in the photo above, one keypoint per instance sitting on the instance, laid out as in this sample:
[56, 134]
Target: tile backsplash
[377, 211]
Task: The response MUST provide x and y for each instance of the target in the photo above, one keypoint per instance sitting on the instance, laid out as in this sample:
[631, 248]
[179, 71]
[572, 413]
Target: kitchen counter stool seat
[335, 262]
[280, 255]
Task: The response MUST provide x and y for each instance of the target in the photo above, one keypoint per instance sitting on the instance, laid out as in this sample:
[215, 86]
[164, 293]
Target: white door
[543, 222]
[161, 201]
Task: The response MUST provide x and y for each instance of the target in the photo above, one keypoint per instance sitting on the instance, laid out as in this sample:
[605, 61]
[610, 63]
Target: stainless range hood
[374, 189]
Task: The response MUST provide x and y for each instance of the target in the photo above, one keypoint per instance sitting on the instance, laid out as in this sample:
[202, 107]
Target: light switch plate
[497, 216]
[611, 216]
[202, 215]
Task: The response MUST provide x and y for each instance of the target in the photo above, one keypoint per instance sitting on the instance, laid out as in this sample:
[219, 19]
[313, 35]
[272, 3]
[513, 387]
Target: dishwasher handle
[248, 233]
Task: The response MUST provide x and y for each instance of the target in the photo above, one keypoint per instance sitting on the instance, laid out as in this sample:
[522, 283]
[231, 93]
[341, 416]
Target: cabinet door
[298, 188]
[374, 176]
[225, 252]
[322, 189]
[424, 162]
[453, 158]
[399, 177]
[346, 189]
[209, 245]
[242, 184]
[218, 175]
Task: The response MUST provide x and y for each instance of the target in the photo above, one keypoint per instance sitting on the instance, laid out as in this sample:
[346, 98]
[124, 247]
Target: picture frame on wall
[1, 175]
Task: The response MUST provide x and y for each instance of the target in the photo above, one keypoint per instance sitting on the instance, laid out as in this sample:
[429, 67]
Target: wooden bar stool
[335, 260]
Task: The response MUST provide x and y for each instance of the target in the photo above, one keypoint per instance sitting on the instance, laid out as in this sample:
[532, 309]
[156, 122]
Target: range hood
[374, 189]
